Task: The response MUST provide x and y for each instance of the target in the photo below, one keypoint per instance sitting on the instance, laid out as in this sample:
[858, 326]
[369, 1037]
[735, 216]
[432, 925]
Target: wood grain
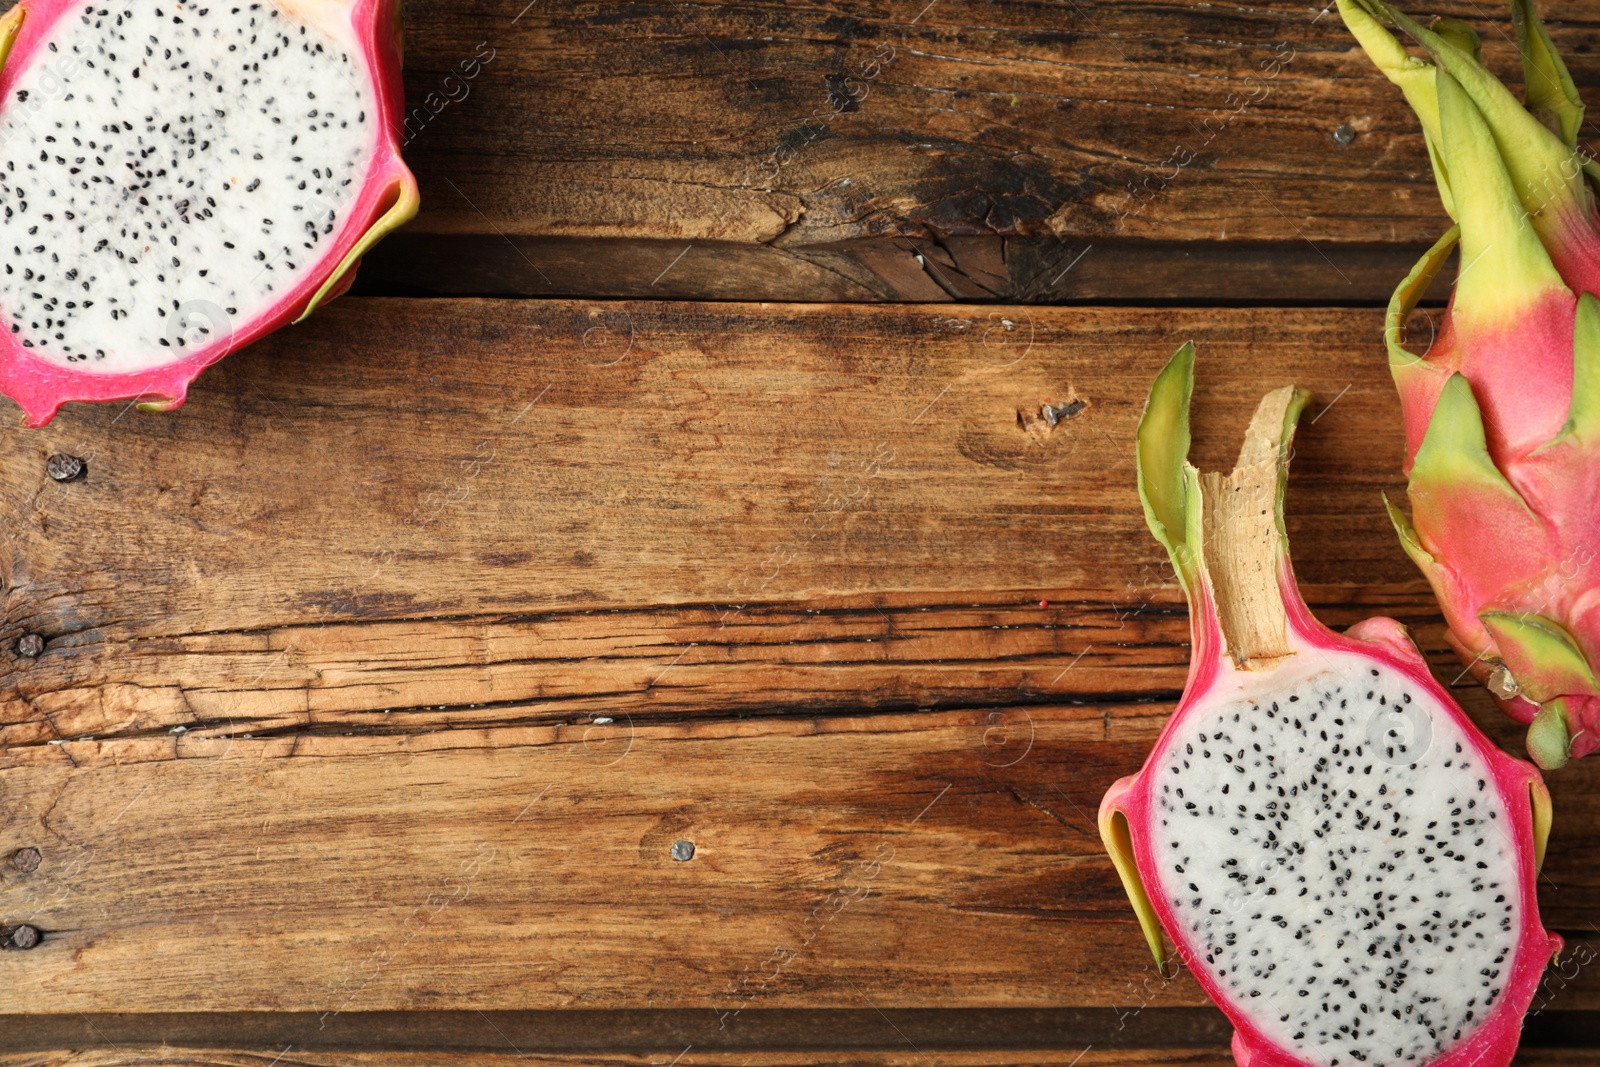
[943, 859]
[385, 686]
[157, 1056]
[319, 721]
[371, 759]
[533, 867]
[483, 473]
[891, 150]
[646, 662]
[976, 118]
[556, 510]
[758, 1033]
[1018, 269]
[1212, 1057]
[871, 1038]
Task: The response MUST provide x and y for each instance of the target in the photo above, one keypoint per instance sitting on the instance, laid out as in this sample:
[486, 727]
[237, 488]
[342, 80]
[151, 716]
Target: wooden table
[651, 621]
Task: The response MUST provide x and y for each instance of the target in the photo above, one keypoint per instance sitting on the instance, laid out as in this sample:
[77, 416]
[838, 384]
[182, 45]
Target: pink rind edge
[1494, 1042]
[41, 387]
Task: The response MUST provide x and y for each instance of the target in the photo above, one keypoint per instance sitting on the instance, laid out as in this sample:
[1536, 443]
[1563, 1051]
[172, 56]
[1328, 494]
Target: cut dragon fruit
[1502, 413]
[179, 180]
[1342, 860]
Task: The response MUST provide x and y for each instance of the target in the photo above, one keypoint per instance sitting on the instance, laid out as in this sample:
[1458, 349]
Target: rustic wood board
[320, 692]
[836, 862]
[788, 506]
[911, 150]
[910, 1058]
[162, 1057]
[381, 681]
[1039, 270]
[759, 1034]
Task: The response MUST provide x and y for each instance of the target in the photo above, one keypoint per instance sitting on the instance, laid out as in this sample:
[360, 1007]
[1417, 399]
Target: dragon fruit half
[1502, 414]
[180, 179]
[1343, 861]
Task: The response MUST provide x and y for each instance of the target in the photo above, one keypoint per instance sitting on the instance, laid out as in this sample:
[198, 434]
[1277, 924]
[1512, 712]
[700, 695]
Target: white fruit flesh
[170, 173]
[1340, 860]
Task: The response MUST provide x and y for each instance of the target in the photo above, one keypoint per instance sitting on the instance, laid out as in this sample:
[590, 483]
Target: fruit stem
[1224, 532]
[1244, 544]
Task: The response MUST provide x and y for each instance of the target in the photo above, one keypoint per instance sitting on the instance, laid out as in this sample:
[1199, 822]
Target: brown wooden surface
[316, 756]
[160, 1057]
[909, 1058]
[906, 151]
[414, 505]
[1215, 1057]
[500, 1051]
[838, 862]
[317, 732]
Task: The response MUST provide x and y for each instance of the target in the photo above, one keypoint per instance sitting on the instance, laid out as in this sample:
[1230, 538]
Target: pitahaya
[1343, 861]
[1502, 414]
[180, 179]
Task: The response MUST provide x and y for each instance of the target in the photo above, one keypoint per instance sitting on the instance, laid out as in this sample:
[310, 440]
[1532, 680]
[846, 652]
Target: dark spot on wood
[982, 449]
[840, 97]
[844, 28]
[502, 559]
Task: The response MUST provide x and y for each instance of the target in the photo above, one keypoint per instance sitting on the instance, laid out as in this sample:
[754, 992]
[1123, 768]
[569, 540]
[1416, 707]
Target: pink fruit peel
[1502, 413]
[174, 281]
[1327, 839]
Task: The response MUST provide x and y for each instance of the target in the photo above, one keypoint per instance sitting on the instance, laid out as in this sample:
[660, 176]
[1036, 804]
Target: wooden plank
[978, 117]
[780, 515]
[157, 1055]
[837, 863]
[572, 666]
[1030, 270]
[847, 151]
[870, 524]
[761, 1034]
[1155, 1037]
[939, 859]
[657, 508]
[1210, 1057]
[866, 1032]
[480, 474]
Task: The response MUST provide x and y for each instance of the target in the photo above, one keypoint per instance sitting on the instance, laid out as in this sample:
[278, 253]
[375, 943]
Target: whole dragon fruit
[1343, 861]
[1502, 414]
[180, 179]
